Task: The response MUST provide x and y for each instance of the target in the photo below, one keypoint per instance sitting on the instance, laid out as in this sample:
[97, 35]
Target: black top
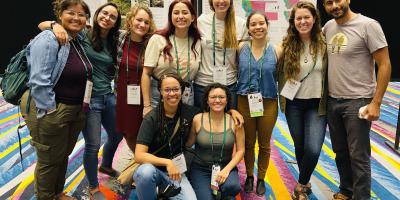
[149, 132]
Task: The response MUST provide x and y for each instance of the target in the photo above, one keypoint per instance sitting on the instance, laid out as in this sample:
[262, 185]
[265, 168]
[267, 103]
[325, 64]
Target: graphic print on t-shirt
[337, 43]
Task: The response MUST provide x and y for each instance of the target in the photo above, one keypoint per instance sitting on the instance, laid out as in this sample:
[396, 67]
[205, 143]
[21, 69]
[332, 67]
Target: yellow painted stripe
[10, 130]
[13, 129]
[322, 171]
[386, 157]
[23, 185]
[328, 151]
[10, 117]
[76, 181]
[283, 148]
[284, 133]
[278, 187]
[382, 134]
[392, 90]
[14, 146]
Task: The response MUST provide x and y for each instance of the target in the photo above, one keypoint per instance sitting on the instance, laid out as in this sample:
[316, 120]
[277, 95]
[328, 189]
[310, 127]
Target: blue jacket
[46, 61]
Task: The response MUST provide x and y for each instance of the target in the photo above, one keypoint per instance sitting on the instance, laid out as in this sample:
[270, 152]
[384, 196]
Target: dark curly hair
[207, 90]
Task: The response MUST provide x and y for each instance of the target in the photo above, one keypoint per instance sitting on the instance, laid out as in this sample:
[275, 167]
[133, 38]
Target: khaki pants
[53, 137]
[261, 128]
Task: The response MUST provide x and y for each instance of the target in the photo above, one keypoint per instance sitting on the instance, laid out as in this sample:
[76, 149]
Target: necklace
[305, 58]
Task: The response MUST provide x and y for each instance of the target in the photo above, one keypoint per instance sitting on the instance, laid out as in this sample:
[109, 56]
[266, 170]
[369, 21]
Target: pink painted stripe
[10, 123]
[383, 131]
[281, 165]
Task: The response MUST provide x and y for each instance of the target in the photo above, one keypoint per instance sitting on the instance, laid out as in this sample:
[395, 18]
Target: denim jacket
[46, 61]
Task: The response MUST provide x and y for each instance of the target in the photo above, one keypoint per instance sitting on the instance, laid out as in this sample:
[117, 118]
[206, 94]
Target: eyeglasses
[73, 14]
[109, 15]
[220, 97]
[169, 90]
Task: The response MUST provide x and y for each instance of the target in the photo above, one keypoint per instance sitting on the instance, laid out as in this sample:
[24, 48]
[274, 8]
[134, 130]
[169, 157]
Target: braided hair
[163, 126]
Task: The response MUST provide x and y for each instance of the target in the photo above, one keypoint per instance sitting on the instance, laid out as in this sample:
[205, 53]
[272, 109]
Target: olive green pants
[53, 137]
[260, 129]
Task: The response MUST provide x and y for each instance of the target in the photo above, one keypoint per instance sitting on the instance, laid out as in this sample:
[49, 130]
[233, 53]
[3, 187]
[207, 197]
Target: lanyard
[213, 38]
[177, 125]
[177, 59]
[88, 69]
[137, 62]
[259, 66]
[315, 61]
[212, 136]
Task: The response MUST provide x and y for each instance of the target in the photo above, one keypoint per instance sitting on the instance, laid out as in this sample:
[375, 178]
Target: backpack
[15, 78]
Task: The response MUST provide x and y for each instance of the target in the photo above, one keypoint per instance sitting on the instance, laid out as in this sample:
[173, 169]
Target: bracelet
[52, 24]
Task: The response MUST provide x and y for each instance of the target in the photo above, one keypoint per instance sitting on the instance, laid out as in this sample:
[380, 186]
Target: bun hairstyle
[60, 5]
[171, 75]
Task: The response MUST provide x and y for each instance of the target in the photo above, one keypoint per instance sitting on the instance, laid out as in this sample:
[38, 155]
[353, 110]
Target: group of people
[209, 86]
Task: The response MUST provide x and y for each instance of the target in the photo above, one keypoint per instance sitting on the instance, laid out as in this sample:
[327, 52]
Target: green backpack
[15, 78]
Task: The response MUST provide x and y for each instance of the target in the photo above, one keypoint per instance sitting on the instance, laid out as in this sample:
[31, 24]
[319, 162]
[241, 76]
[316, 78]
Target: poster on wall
[277, 12]
[159, 8]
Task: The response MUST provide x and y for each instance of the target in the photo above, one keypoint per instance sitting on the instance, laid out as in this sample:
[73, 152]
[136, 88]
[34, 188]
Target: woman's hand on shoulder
[237, 117]
[147, 109]
[241, 44]
[60, 33]
[279, 51]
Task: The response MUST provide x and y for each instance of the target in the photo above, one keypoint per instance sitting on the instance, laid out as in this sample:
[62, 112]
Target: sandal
[64, 196]
[308, 188]
[300, 192]
[109, 171]
[96, 194]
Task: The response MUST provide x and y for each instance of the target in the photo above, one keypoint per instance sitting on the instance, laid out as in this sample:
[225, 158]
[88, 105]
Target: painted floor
[16, 177]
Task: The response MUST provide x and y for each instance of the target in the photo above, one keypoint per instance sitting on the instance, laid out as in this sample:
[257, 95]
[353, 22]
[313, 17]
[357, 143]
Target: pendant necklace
[305, 58]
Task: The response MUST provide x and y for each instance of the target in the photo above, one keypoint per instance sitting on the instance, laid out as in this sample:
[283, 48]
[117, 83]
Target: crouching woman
[160, 144]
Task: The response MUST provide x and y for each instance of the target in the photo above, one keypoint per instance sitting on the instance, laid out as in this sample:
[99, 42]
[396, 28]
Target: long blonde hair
[230, 40]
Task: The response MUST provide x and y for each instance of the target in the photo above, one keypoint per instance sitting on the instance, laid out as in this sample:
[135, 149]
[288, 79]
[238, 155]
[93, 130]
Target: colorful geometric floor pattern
[16, 177]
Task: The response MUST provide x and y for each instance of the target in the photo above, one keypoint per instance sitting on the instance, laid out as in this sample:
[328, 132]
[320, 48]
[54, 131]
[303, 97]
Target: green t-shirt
[103, 67]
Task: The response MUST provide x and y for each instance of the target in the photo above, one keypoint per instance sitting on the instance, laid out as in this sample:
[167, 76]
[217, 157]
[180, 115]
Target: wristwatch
[52, 24]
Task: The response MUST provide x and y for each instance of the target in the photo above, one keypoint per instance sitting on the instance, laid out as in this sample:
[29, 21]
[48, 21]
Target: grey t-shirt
[351, 67]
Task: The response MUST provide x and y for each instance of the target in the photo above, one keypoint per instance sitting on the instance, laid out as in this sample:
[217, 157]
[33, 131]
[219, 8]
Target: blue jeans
[307, 129]
[147, 178]
[155, 93]
[200, 177]
[351, 143]
[101, 112]
[199, 95]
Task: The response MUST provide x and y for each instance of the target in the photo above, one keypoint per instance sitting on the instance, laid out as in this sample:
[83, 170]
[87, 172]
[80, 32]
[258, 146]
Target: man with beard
[355, 43]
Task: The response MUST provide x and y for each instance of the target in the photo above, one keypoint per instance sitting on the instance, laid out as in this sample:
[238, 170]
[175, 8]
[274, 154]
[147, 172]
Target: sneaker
[109, 171]
[248, 185]
[260, 189]
[340, 196]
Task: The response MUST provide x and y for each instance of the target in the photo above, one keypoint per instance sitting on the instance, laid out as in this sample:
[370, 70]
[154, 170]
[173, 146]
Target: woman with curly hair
[302, 85]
